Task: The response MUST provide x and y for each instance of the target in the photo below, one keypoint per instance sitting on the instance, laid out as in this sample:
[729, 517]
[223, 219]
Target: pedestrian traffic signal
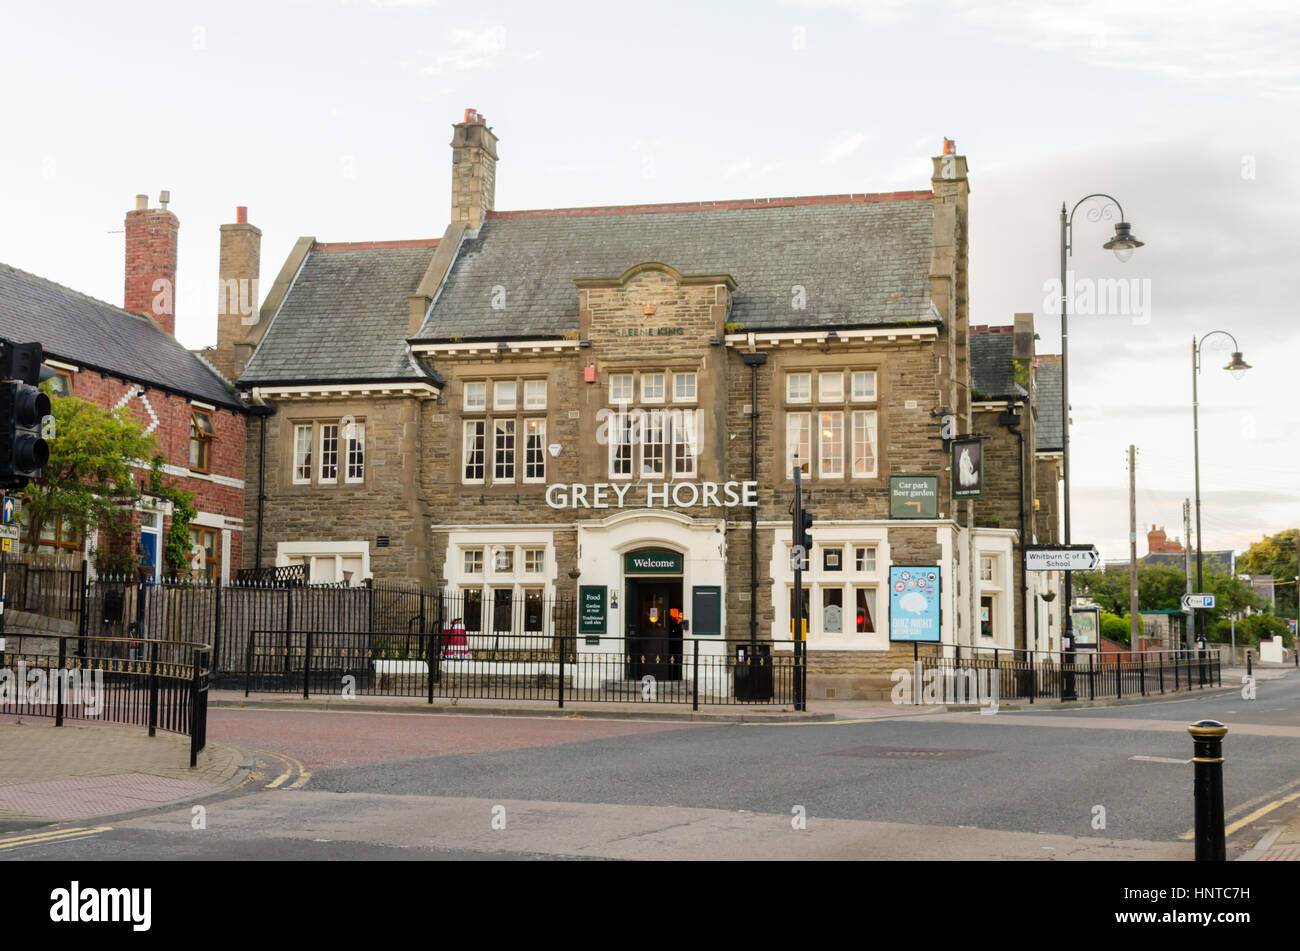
[23, 453]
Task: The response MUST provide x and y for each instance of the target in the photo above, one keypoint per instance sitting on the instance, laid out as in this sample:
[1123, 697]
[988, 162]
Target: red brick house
[128, 358]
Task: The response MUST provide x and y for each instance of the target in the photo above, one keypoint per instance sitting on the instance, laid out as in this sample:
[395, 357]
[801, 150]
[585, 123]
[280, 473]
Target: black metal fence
[1085, 675]
[133, 681]
[512, 666]
[48, 587]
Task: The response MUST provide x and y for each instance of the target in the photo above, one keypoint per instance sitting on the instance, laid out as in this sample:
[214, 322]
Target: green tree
[1231, 597]
[1108, 589]
[1275, 555]
[92, 477]
[1117, 628]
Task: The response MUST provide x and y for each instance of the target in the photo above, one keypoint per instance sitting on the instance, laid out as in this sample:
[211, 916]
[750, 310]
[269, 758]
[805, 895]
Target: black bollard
[1207, 765]
[1248, 671]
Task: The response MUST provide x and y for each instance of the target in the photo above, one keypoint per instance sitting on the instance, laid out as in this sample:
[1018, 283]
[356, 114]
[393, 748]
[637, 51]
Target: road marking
[55, 835]
[300, 781]
[277, 781]
[1262, 810]
[1160, 759]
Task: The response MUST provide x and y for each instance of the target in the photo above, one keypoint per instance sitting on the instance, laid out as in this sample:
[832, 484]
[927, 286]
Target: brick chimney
[473, 170]
[151, 261]
[237, 289]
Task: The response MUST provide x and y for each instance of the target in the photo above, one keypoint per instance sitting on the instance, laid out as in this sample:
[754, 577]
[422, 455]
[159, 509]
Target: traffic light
[805, 539]
[23, 408]
[23, 453]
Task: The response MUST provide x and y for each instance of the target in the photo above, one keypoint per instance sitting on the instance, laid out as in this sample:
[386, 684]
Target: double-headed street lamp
[1237, 367]
[1123, 244]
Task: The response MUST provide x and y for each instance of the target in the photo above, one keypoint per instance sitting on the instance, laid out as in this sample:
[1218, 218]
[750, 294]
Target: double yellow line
[292, 765]
[53, 835]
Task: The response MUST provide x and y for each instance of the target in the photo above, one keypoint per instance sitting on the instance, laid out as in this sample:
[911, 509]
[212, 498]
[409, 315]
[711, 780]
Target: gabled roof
[1049, 433]
[98, 336]
[346, 316]
[992, 364]
[861, 260]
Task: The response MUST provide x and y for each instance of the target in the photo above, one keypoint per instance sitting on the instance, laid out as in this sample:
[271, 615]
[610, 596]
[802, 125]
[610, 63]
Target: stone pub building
[608, 403]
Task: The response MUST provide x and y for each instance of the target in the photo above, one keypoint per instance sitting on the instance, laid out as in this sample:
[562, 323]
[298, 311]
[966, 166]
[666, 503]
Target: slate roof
[1049, 434]
[863, 260]
[346, 317]
[96, 335]
[992, 366]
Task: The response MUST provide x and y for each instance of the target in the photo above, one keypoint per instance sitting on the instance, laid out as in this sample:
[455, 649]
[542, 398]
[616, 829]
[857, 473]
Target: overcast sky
[333, 119]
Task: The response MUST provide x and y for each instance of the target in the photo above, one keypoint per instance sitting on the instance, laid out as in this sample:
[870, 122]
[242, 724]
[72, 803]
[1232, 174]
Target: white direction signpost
[1061, 558]
[1193, 601]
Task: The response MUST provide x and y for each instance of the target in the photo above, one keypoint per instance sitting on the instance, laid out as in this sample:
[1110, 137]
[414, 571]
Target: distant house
[127, 358]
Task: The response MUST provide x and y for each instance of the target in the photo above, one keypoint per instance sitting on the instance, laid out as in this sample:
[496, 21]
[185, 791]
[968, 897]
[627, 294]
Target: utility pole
[1187, 549]
[1132, 549]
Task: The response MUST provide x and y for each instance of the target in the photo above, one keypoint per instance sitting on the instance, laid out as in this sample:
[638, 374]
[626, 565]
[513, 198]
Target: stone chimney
[949, 271]
[1023, 345]
[151, 261]
[237, 289]
[473, 170]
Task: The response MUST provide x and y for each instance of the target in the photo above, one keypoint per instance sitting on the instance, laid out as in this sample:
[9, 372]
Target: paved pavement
[83, 770]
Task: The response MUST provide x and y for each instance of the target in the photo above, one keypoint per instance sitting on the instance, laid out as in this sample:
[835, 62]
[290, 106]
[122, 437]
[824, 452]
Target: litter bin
[752, 672]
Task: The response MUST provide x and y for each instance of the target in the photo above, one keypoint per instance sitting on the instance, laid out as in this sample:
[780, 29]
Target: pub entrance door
[654, 640]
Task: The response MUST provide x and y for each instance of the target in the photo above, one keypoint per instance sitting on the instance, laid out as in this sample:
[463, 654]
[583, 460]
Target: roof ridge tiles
[853, 198]
[328, 246]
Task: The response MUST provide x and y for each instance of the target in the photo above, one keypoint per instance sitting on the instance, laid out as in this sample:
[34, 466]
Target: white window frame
[472, 564]
[790, 395]
[805, 463]
[837, 379]
[531, 402]
[539, 424]
[654, 423]
[623, 435]
[825, 471]
[871, 419]
[466, 444]
[853, 390]
[872, 606]
[537, 554]
[683, 435]
[321, 465]
[499, 387]
[499, 452]
[301, 459]
[480, 387]
[867, 563]
[355, 447]
[663, 388]
[693, 377]
[620, 380]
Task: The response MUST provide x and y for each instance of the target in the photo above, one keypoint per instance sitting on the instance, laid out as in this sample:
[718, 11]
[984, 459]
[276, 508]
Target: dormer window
[202, 432]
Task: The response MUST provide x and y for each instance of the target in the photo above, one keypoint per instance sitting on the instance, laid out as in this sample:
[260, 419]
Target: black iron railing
[971, 676]
[496, 666]
[162, 685]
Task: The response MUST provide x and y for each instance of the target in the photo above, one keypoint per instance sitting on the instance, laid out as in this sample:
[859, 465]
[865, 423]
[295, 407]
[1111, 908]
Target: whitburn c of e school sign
[617, 495]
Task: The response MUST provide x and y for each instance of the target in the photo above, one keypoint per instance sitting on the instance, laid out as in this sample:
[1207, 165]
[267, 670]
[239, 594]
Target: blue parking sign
[9, 506]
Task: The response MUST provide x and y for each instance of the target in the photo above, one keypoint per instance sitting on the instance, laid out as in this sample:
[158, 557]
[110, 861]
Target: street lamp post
[1123, 244]
[1237, 367]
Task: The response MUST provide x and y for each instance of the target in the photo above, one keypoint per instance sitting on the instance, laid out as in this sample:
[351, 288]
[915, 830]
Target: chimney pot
[164, 197]
[241, 214]
[141, 202]
[949, 147]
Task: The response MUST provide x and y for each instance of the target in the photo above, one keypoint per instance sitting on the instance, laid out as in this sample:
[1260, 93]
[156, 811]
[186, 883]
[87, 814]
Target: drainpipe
[260, 409]
[753, 360]
[1011, 421]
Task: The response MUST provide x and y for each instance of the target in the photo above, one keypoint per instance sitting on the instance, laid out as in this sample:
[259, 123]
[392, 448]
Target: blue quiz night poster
[914, 603]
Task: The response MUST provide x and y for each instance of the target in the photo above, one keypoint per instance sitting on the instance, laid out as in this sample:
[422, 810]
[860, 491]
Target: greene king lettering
[604, 495]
